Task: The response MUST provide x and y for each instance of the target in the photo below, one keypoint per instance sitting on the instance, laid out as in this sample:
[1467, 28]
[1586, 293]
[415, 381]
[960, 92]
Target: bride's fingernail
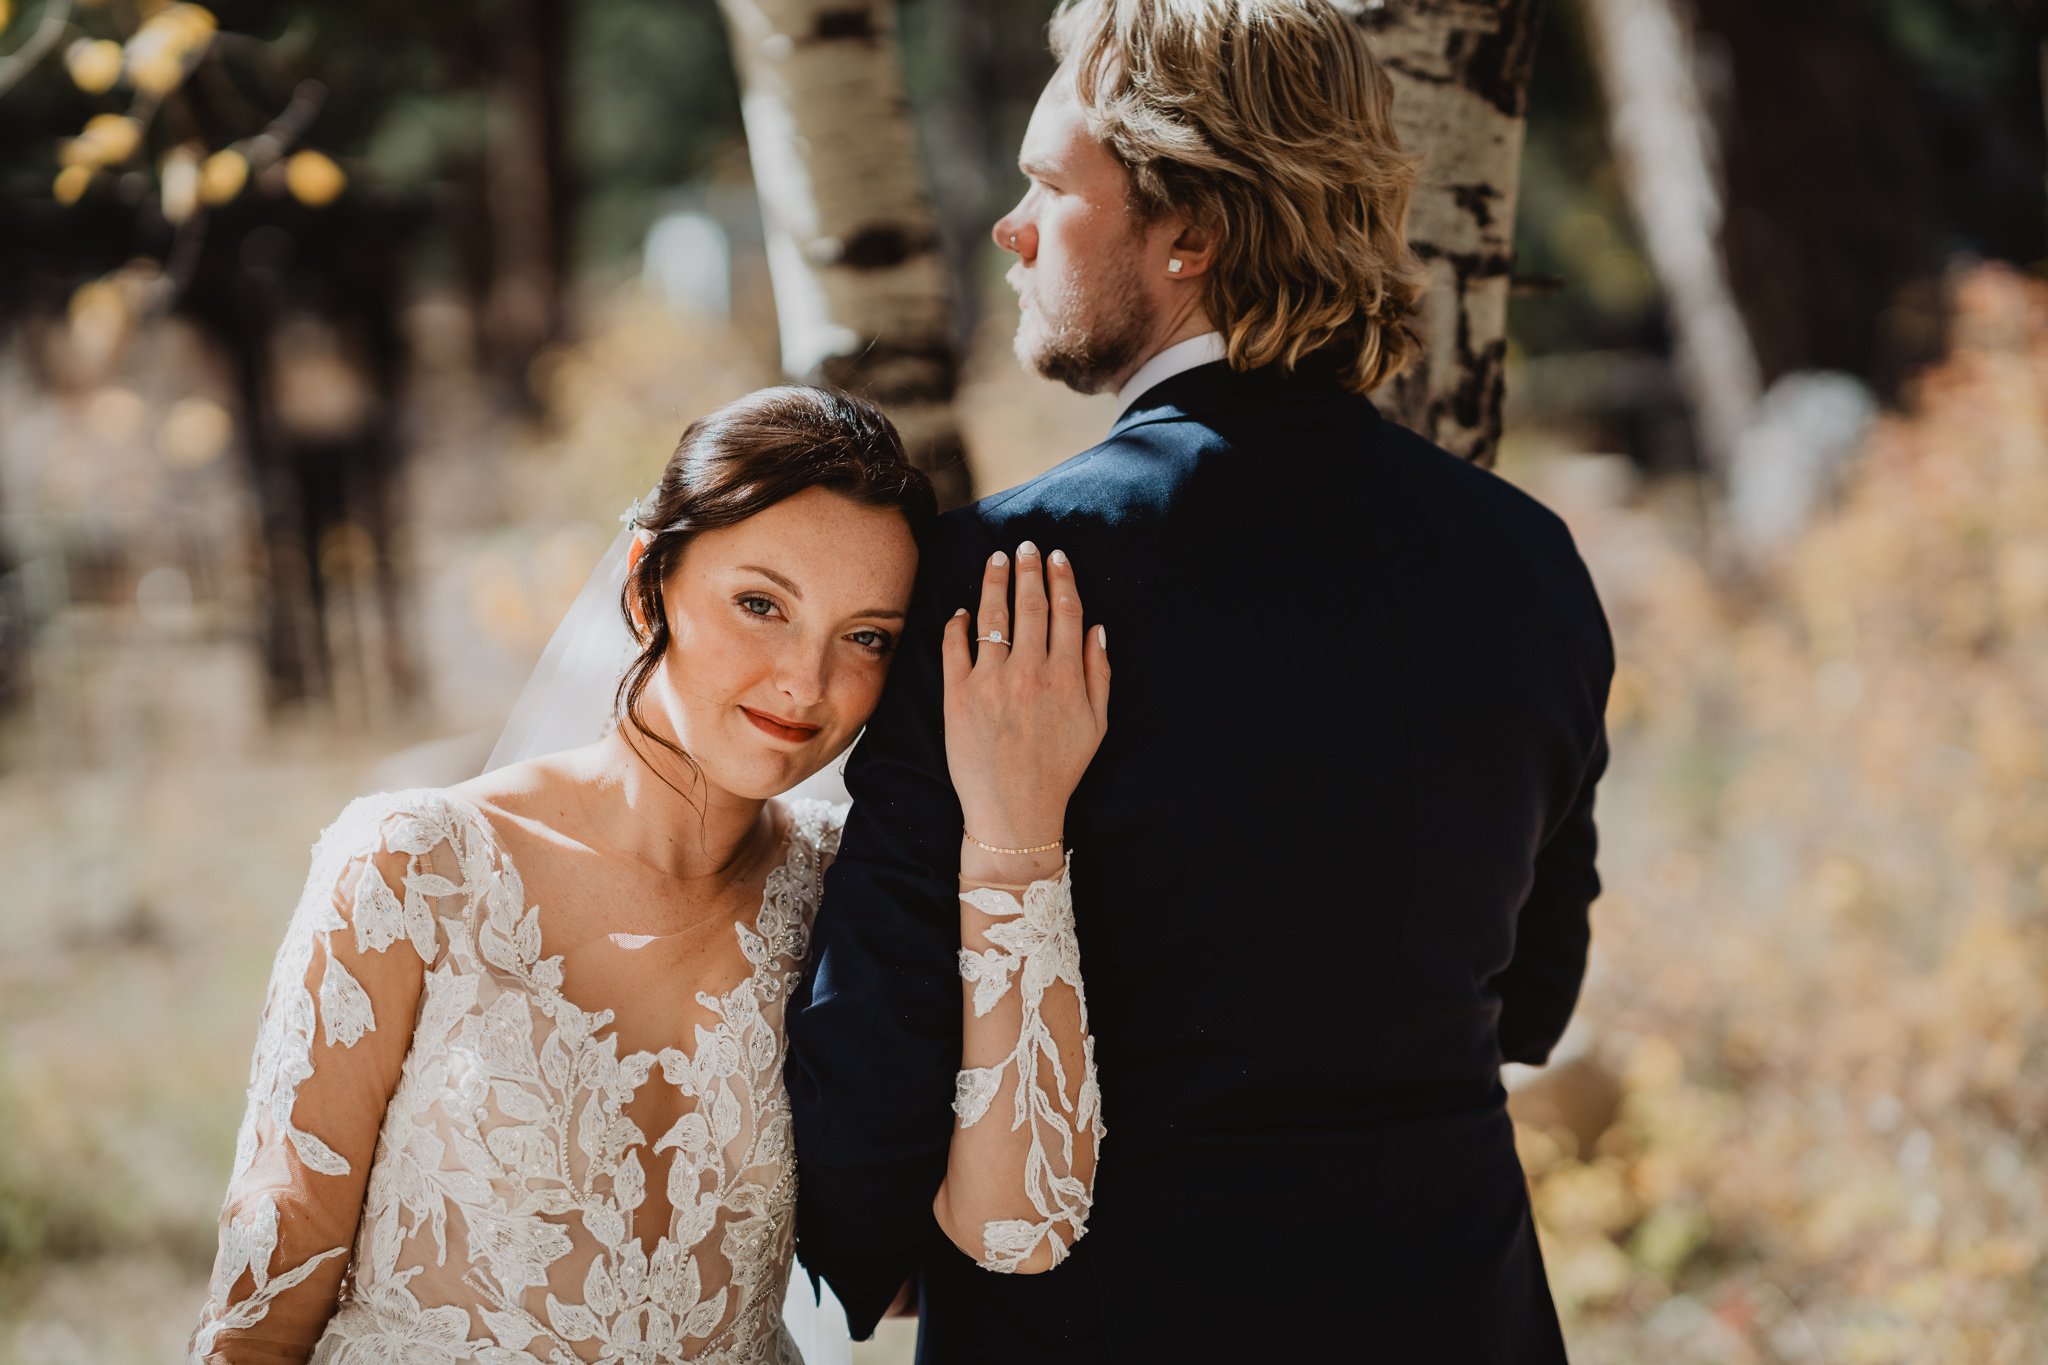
[999, 559]
[1027, 548]
[1102, 634]
[1059, 557]
[961, 612]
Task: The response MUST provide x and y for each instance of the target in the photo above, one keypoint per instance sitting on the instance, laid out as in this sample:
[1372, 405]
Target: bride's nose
[800, 676]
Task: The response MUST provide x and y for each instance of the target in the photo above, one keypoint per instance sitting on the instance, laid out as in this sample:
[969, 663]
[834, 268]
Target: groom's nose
[1013, 233]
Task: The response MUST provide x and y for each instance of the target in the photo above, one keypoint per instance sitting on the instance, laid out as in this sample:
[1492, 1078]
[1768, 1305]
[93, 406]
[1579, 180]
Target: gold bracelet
[1041, 848]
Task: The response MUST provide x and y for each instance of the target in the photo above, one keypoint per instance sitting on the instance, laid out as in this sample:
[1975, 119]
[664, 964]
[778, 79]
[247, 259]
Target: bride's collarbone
[586, 884]
[633, 939]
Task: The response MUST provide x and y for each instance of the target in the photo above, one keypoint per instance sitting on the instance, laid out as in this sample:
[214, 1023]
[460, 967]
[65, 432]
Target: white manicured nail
[1059, 557]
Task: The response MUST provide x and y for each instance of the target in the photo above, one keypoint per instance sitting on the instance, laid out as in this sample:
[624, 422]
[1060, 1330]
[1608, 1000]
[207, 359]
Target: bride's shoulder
[411, 820]
[517, 784]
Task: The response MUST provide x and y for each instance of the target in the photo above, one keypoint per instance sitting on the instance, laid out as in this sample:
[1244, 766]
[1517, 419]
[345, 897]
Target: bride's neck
[662, 812]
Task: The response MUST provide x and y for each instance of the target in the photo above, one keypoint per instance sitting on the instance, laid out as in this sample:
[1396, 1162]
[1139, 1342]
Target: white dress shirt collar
[1175, 359]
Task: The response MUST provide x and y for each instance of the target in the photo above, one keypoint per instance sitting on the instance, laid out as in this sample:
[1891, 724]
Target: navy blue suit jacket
[1332, 865]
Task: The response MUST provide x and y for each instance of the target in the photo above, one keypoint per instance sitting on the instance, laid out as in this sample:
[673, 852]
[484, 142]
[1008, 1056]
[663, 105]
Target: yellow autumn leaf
[106, 140]
[100, 318]
[195, 21]
[94, 64]
[71, 182]
[157, 73]
[115, 415]
[180, 184]
[6, 13]
[313, 178]
[194, 432]
[160, 53]
[222, 176]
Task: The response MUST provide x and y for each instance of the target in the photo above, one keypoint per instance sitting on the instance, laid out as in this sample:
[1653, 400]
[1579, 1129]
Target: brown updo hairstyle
[742, 459]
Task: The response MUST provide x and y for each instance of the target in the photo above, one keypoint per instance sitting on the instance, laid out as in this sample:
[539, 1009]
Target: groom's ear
[1194, 247]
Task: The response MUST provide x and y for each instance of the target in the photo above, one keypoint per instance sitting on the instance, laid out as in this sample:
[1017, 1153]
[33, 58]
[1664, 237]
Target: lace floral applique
[1036, 949]
[498, 1218]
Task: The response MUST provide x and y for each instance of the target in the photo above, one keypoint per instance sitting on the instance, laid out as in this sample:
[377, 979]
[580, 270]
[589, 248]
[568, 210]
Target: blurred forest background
[333, 337]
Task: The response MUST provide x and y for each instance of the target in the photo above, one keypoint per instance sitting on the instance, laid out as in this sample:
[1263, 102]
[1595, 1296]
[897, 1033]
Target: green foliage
[653, 105]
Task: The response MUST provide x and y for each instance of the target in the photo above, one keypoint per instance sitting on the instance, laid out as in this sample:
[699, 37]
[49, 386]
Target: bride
[517, 1091]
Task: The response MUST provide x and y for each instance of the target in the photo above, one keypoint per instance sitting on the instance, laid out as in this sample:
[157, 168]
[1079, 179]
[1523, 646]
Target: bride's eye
[757, 606]
[874, 641]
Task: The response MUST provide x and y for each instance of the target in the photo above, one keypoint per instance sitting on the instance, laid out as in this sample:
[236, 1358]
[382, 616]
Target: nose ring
[1013, 241]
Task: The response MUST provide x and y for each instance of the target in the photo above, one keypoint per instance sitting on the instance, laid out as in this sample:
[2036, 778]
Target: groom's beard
[1088, 336]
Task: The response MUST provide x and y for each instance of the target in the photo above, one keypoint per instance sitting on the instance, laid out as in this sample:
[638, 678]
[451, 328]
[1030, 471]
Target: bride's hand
[1023, 717]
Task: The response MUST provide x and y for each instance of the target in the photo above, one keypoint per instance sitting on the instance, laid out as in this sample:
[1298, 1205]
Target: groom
[1332, 864]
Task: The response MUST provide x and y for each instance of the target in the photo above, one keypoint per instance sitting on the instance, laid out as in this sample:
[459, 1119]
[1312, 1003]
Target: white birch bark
[1460, 71]
[861, 295]
[1665, 146]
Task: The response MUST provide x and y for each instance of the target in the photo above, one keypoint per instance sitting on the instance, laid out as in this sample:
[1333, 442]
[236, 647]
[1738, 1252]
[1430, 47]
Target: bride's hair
[742, 459]
[1271, 123]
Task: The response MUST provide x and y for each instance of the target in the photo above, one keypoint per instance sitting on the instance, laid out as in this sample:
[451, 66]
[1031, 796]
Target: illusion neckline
[503, 865]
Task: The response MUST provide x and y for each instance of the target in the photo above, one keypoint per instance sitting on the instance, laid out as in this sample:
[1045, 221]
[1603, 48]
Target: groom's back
[1357, 686]
[1356, 708]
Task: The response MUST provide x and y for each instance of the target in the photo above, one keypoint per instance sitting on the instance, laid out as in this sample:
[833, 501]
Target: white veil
[570, 700]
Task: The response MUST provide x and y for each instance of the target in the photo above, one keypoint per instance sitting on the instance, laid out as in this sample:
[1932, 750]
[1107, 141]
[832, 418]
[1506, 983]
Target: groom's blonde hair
[1269, 122]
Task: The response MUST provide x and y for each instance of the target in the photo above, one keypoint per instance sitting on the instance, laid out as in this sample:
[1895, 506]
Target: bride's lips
[794, 731]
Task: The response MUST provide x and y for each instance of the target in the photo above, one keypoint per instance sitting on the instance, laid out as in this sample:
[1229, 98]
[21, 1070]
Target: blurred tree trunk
[305, 305]
[1780, 162]
[509, 202]
[1666, 151]
[1460, 70]
[853, 246]
[1837, 208]
[965, 78]
[1777, 161]
[528, 184]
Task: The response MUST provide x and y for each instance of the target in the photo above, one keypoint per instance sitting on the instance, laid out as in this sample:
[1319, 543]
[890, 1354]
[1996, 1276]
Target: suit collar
[1216, 387]
[1175, 359]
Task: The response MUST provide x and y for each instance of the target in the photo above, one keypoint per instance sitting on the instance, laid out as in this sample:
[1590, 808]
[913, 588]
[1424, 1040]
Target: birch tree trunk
[1460, 71]
[853, 246]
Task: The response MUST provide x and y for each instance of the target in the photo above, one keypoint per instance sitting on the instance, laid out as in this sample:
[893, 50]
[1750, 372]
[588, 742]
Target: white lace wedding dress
[440, 1163]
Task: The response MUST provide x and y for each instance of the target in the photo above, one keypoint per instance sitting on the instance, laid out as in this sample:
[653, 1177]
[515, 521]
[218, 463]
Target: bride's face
[780, 632]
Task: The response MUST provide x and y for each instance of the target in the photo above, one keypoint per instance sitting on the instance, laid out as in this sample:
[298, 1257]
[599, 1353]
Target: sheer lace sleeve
[336, 1024]
[1021, 1174]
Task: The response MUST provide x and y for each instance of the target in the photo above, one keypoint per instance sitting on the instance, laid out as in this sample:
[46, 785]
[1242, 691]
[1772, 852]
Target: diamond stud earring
[1173, 265]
